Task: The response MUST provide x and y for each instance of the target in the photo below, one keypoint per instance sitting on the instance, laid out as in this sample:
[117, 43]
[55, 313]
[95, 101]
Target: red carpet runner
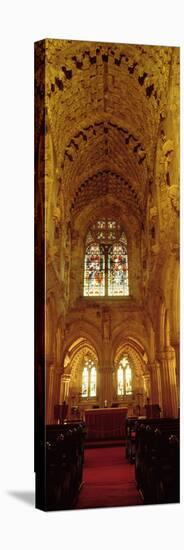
[108, 479]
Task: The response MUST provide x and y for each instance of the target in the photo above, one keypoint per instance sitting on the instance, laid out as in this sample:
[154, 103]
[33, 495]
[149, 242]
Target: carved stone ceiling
[103, 108]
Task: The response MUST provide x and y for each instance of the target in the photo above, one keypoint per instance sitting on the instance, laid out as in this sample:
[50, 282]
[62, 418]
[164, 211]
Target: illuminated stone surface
[111, 152]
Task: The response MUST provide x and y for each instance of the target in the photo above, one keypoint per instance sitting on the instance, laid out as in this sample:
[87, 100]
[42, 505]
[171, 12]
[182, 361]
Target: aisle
[108, 479]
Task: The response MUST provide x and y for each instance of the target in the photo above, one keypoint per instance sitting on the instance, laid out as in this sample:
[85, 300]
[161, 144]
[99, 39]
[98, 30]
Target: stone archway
[77, 354]
[140, 370]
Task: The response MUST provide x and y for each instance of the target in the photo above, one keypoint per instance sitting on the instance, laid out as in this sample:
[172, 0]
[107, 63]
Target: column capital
[58, 370]
[49, 363]
[105, 369]
[166, 355]
[65, 377]
[154, 365]
[146, 376]
[51, 368]
[175, 343]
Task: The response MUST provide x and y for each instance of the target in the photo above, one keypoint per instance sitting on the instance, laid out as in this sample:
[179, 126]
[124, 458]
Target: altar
[106, 423]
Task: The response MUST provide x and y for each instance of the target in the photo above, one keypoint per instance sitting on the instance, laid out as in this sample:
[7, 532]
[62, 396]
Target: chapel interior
[107, 217]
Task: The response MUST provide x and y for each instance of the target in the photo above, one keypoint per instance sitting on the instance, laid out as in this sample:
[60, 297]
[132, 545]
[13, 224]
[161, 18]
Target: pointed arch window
[120, 381]
[89, 378]
[94, 271]
[85, 378]
[106, 260]
[118, 268]
[124, 377]
[93, 382]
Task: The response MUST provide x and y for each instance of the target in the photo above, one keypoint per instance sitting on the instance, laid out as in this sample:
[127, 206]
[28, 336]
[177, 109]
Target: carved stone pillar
[154, 368]
[147, 384]
[106, 376]
[168, 381]
[106, 387]
[64, 387]
[176, 347]
[49, 392]
[56, 389]
[156, 387]
[106, 370]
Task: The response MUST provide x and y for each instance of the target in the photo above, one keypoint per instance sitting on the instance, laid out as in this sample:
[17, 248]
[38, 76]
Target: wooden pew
[64, 448]
[157, 460]
[130, 435]
[165, 425]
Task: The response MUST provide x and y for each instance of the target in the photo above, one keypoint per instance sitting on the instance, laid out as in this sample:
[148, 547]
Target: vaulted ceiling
[104, 103]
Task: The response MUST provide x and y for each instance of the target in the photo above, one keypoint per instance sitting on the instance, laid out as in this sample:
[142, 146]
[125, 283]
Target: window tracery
[94, 271]
[124, 377]
[89, 378]
[106, 260]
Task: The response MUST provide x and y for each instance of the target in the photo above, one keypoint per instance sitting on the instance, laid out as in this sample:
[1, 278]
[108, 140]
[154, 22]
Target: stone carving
[153, 212]
[57, 222]
[51, 252]
[68, 235]
[106, 325]
[168, 151]
[174, 196]
[153, 228]
[56, 215]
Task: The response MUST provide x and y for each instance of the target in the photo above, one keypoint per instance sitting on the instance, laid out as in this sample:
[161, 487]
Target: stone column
[49, 392]
[168, 382]
[56, 388]
[106, 370]
[176, 347]
[154, 367]
[147, 384]
[156, 387]
[106, 385]
[64, 387]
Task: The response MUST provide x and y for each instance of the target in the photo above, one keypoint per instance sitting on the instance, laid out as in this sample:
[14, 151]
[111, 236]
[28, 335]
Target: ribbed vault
[102, 184]
[103, 104]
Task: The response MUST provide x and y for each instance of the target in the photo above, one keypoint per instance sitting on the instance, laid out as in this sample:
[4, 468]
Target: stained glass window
[93, 382]
[94, 271]
[124, 377]
[128, 380]
[120, 376]
[89, 378]
[85, 377]
[118, 269]
[106, 260]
